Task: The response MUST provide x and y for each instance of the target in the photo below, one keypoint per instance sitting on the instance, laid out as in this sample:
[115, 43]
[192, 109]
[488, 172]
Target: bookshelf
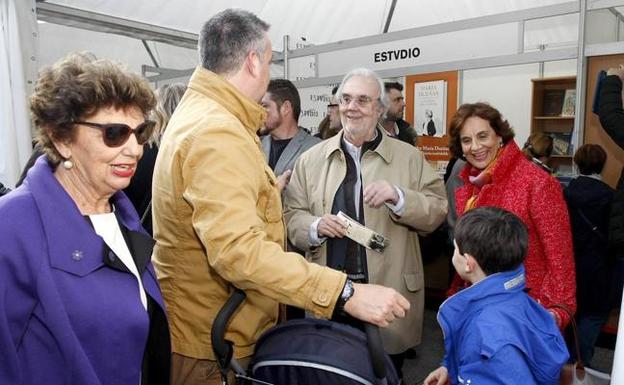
[552, 112]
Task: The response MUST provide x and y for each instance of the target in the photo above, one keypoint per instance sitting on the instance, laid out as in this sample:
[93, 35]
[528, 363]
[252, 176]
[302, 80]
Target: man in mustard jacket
[386, 185]
[218, 214]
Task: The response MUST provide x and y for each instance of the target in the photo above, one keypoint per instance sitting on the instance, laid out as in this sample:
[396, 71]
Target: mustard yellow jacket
[218, 223]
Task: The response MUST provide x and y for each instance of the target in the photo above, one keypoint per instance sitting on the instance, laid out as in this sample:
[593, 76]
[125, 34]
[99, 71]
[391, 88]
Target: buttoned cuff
[313, 238]
[399, 208]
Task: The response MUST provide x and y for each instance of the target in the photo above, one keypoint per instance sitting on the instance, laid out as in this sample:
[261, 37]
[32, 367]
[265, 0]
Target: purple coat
[70, 312]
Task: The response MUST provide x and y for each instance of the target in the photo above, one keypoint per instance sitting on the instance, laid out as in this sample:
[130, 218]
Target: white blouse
[107, 227]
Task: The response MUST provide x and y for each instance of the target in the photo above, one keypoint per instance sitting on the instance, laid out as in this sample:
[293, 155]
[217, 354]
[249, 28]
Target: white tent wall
[18, 44]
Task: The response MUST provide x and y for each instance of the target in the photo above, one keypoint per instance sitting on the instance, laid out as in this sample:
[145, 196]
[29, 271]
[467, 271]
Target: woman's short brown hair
[75, 88]
[481, 110]
[590, 159]
[538, 145]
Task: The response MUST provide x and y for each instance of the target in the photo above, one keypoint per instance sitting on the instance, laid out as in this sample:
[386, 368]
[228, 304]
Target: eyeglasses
[116, 134]
[332, 105]
[360, 101]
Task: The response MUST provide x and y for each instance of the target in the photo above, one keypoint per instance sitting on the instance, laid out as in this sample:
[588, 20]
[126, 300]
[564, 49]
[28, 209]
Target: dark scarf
[342, 253]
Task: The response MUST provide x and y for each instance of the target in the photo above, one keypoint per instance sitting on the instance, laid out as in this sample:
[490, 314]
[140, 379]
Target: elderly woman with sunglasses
[79, 299]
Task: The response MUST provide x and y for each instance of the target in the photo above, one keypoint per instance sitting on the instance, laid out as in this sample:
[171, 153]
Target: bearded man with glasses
[380, 182]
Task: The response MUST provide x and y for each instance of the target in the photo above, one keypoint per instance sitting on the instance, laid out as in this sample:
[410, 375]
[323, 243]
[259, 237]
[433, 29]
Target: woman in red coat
[498, 174]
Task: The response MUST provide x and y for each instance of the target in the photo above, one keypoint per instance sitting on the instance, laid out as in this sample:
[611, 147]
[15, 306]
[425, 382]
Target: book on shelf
[569, 103]
[562, 143]
[553, 102]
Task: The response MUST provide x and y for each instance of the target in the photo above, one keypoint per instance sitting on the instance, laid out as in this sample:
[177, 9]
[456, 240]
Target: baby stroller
[306, 352]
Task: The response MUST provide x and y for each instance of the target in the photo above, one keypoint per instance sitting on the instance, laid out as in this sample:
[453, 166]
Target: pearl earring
[68, 164]
[500, 144]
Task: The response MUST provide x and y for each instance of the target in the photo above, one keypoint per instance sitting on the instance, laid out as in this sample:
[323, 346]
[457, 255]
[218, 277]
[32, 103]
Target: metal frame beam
[77, 18]
[477, 22]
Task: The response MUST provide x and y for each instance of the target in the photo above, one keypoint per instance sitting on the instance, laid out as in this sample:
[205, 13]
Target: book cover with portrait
[430, 108]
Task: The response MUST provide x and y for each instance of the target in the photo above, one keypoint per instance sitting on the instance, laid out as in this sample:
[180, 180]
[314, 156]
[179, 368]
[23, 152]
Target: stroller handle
[376, 350]
[222, 348]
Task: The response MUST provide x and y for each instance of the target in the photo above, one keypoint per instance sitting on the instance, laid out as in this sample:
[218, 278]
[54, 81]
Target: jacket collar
[72, 244]
[480, 294]
[384, 149]
[247, 111]
[507, 160]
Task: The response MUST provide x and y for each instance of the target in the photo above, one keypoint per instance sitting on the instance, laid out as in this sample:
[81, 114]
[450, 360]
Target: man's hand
[375, 304]
[331, 226]
[379, 192]
[282, 180]
[619, 71]
[437, 377]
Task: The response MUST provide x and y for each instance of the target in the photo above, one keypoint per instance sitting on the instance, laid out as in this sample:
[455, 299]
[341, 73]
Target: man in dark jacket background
[392, 121]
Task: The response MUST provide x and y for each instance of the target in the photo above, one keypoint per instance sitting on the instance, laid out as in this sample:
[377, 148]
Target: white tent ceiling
[318, 21]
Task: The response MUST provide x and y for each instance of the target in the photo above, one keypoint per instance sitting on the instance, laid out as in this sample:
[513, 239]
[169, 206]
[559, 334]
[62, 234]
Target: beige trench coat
[317, 175]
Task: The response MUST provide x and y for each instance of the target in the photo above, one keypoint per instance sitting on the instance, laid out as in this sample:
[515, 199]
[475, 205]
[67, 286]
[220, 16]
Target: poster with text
[430, 108]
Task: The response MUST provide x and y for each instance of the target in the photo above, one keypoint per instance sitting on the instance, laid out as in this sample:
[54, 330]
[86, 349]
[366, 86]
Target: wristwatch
[347, 293]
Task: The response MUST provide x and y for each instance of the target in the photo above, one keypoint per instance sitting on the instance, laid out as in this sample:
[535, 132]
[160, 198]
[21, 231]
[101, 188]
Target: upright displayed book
[569, 103]
[562, 143]
[430, 108]
[553, 102]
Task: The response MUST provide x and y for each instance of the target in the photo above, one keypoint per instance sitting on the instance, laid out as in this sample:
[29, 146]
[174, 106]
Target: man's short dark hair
[496, 238]
[282, 90]
[590, 159]
[227, 38]
[393, 86]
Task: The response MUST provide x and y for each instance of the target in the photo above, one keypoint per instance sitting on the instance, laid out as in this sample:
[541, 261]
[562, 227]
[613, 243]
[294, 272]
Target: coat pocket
[413, 282]
[273, 208]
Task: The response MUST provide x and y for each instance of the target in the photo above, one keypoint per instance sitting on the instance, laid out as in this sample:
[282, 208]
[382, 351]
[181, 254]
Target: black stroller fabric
[313, 351]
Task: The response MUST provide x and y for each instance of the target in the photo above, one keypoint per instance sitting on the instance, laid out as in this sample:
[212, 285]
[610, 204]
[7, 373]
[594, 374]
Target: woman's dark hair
[496, 238]
[481, 110]
[75, 88]
[590, 159]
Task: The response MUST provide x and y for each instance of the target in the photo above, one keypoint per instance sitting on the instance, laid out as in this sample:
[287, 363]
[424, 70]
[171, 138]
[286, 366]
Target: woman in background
[498, 174]
[589, 202]
[140, 189]
[81, 303]
[538, 149]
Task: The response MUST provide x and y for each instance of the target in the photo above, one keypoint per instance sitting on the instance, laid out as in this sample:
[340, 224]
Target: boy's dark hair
[282, 90]
[496, 238]
[590, 159]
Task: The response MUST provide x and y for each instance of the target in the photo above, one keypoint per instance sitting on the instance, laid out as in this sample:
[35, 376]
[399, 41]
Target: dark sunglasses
[116, 134]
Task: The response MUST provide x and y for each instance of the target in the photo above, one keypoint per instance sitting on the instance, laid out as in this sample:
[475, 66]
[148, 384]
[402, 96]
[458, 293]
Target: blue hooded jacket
[494, 333]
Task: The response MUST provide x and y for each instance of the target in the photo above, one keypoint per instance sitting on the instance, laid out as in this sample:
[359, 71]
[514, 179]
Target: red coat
[524, 189]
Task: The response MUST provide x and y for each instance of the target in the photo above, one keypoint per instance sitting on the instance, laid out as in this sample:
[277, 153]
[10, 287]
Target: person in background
[4, 190]
[538, 149]
[84, 304]
[495, 333]
[589, 202]
[283, 141]
[610, 109]
[330, 125]
[139, 191]
[382, 183]
[392, 121]
[498, 174]
[611, 116]
[218, 219]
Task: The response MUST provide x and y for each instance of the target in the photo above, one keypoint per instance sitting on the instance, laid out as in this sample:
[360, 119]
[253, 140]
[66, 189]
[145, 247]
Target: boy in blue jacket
[494, 333]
